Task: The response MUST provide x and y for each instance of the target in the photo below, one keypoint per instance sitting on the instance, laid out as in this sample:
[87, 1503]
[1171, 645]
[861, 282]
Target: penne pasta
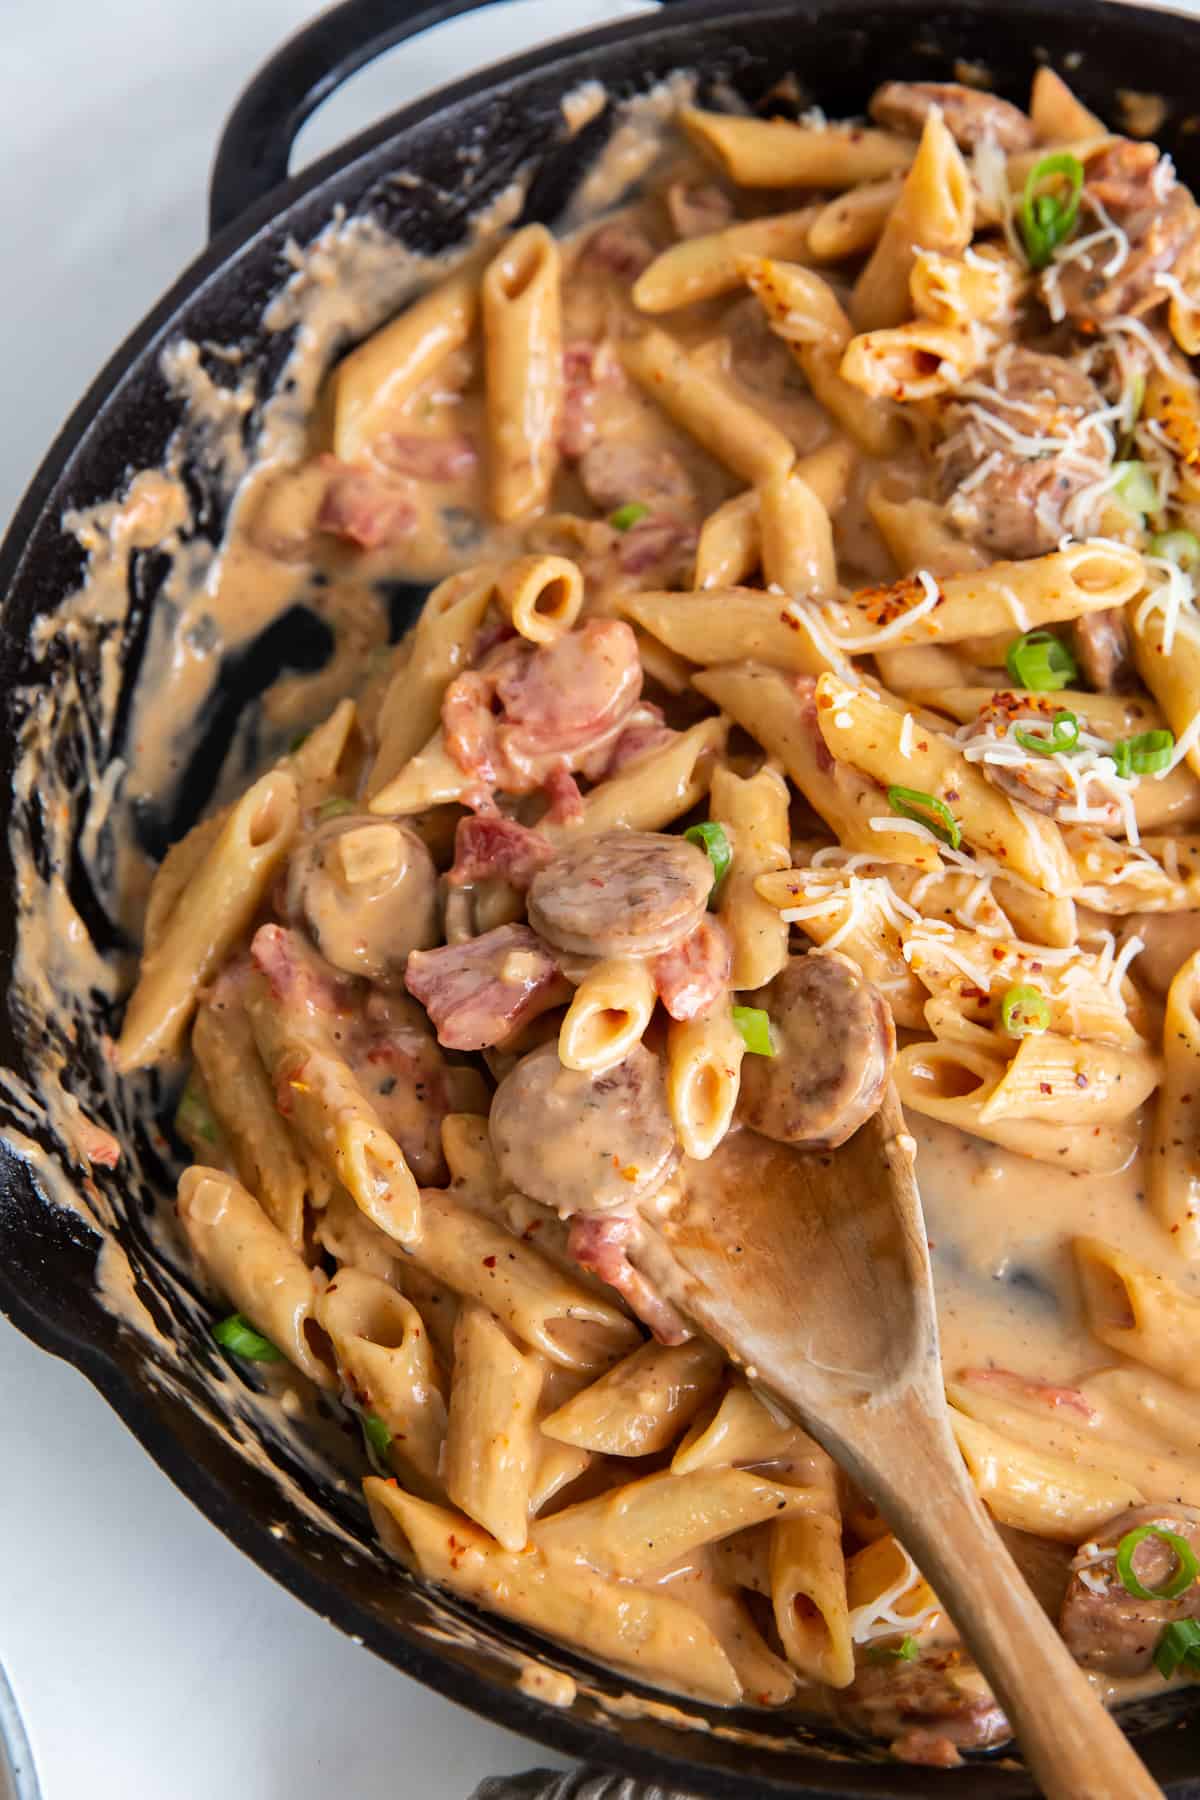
[645, 1632]
[490, 1458]
[1173, 1170]
[775, 153]
[1035, 1491]
[743, 439]
[935, 211]
[1138, 1311]
[252, 1264]
[370, 385]
[207, 919]
[704, 1059]
[700, 267]
[753, 812]
[796, 539]
[541, 596]
[612, 1007]
[522, 329]
[385, 1361]
[640, 1405]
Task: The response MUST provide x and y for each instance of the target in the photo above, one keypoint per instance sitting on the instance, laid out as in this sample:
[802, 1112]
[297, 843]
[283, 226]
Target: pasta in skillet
[814, 660]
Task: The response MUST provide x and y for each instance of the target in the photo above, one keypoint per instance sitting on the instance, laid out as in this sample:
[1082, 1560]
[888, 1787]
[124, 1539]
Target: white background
[150, 1659]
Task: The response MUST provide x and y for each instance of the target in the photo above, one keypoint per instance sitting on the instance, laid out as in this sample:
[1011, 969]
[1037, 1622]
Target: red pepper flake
[489, 1262]
[1045, 1087]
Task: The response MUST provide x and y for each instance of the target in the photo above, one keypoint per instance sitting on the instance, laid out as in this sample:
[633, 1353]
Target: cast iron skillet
[838, 50]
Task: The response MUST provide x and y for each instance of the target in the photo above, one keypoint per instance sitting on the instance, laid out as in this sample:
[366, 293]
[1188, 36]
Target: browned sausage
[998, 491]
[1104, 1626]
[621, 893]
[367, 890]
[835, 1045]
[971, 117]
[613, 473]
[1139, 194]
[583, 1143]
[1102, 646]
[928, 1709]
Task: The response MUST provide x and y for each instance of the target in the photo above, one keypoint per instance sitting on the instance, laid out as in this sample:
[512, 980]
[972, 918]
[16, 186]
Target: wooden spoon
[812, 1270]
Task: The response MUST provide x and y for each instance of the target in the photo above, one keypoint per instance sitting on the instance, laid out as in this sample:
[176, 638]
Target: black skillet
[838, 50]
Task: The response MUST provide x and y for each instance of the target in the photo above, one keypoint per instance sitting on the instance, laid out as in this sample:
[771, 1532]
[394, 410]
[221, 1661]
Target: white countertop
[150, 1659]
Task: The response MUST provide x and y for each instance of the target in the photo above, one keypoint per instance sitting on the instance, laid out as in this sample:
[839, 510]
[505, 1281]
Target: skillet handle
[256, 144]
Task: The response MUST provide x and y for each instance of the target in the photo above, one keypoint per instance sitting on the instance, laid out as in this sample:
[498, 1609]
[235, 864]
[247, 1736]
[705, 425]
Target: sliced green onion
[710, 837]
[1180, 547]
[1063, 739]
[1024, 1011]
[625, 517]
[755, 1028]
[379, 1438]
[912, 803]
[1179, 1643]
[1144, 754]
[1185, 1557]
[193, 1118]
[907, 1650]
[238, 1336]
[334, 807]
[1046, 219]
[1136, 486]
[1041, 662]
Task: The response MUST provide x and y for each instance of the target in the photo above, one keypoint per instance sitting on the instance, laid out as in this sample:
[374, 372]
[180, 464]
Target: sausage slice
[583, 1143]
[971, 117]
[1104, 1626]
[835, 1045]
[929, 1710]
[621, 893]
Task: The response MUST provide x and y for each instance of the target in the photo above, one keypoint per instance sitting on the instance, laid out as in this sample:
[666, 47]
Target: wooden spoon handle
[1074, 1747]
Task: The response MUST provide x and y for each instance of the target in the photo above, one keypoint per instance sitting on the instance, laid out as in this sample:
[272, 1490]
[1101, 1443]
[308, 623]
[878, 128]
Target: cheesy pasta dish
[808, 698]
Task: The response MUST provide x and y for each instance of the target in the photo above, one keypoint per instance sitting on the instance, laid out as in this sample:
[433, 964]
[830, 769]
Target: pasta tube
[255, 1267]
[704, 1060]
[612, 1007]
[386, 1362]
[935, 211]
[369, 387]
[730, 429]
[863, 730]
[1139, 1312]
[643, 1402]
[777, 153]
[1173, 1172]
[491, 1452]
[208, 919]
[754, 814]
[522, 329]
[648, 1633]
[636, 1530]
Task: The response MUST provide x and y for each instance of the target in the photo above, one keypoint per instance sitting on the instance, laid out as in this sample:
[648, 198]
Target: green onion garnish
[1046, 219]
[193, 1118]
[334, 807]
[1180, 547]
[755, 1028]
[1136, 486]
[1024, 1011]
[379, 1438]
[1063, 739]
[1041, 662]
[912, 803]
[1186, 1572]
[300, 738]
[238, 1336]
[1144, 754]
[628, 515]
[710, 837]
[907, 1650]
[1179, 1643]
